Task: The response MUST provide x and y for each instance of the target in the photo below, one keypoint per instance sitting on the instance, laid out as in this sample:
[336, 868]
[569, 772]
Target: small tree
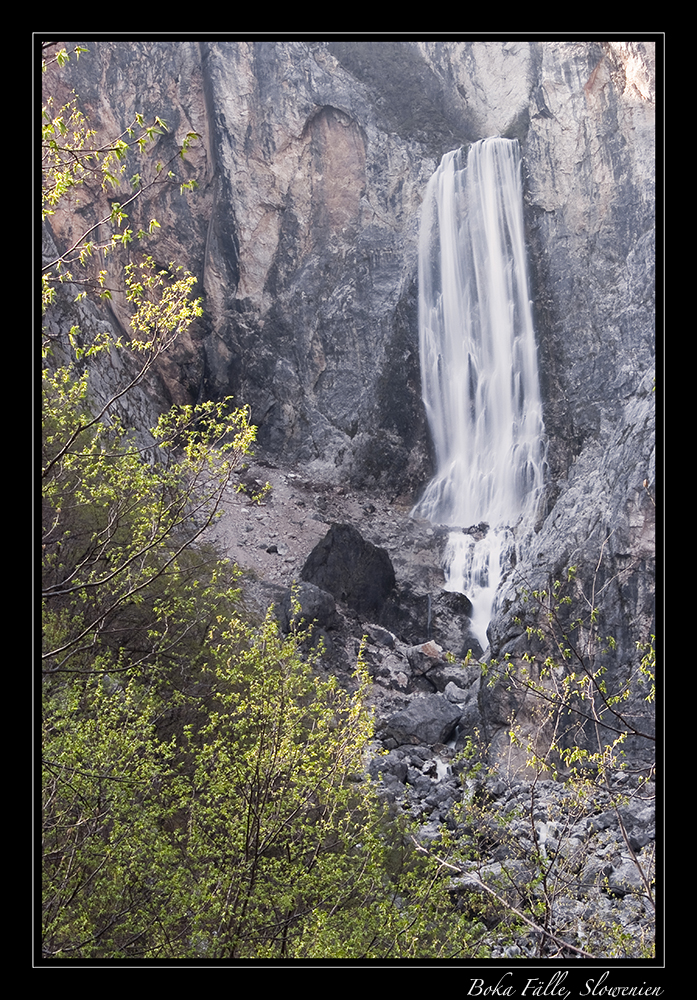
[80, 169]
[527, 849]
[117, 529]
[202, 787]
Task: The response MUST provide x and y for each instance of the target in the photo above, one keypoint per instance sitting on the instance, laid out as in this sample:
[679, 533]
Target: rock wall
[312, 163]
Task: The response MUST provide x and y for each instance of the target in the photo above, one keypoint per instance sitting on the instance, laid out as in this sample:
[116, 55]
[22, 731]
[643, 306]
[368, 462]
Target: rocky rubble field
[579, 856]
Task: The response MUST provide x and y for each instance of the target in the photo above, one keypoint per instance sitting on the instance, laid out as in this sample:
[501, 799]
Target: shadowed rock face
[430, 719]
[312, 164]
[311, 169]
[353, 570]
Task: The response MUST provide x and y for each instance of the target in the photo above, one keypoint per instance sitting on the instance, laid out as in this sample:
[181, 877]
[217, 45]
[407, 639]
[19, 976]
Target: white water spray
[479, 367]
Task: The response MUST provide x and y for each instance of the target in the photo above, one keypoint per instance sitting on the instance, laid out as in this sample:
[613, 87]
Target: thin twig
[509, 906]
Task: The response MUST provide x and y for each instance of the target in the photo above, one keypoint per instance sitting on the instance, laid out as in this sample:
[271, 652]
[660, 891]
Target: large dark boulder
[352, 569]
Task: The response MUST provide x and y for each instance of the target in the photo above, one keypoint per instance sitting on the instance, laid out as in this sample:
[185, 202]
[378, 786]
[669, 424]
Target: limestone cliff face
[313, 160]
[317, 318]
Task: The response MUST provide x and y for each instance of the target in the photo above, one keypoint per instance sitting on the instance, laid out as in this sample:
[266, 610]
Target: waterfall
[479, 367]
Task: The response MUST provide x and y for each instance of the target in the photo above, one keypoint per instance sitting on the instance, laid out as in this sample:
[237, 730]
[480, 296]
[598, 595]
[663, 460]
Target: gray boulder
[429, 719]
[314, 606]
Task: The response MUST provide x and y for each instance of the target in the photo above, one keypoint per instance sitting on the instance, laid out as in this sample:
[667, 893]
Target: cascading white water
[479, 366]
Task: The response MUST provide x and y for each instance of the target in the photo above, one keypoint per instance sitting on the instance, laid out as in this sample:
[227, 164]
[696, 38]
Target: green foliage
[115, 527]
[61, 56]
[526, 861]
[226, 817]
[203, 788]
[81, 169]
[215, 826]
[570, 678]
[648, 666]
[203, 783]
[575, 732]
